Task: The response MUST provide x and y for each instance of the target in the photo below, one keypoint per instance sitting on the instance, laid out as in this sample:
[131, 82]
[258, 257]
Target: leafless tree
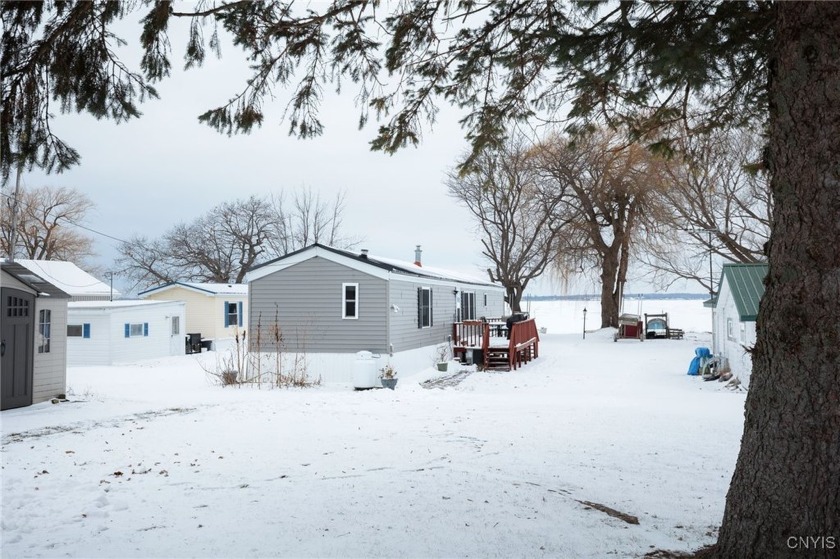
[718, 202]
[306, 219]
[47, 224]
[220, 246]
[226, 242]
[517, 220]
[606, 190]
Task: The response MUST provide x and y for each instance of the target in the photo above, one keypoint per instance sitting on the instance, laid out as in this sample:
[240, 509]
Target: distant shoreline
[627, 297]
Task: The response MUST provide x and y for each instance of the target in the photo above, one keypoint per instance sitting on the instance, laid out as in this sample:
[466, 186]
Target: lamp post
[584, 323]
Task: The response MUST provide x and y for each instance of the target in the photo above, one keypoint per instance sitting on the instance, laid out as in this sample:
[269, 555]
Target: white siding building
[105, 333]
[80, 285]
[214, 310]
[735, 310]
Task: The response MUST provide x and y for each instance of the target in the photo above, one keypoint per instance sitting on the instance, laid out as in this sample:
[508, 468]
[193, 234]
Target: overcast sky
[165, 167]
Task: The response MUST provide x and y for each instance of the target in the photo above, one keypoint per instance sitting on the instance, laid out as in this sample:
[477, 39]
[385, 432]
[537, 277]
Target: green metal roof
[746, 281]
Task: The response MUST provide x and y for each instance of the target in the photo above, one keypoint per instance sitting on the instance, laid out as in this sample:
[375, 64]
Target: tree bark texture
[784, 499]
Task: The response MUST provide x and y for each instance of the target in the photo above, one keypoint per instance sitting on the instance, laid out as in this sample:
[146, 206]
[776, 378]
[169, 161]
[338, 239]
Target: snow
[155, 460]
[68, 277]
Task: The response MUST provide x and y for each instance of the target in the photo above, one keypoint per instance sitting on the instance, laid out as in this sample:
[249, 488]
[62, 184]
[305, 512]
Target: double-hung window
[349, 300]
[424, 307]
[44, 320]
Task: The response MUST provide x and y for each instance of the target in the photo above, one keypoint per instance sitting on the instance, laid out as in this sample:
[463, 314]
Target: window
[485, 299]
[78, 330]
[136, 330]
[350, 300]
[176, 325]
[233, 313]
[424, 307]
[730, 332]
[44, 318]
[468, 306]
[743, 332]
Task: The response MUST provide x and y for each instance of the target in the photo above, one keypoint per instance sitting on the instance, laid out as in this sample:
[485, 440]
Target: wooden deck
[504, 353]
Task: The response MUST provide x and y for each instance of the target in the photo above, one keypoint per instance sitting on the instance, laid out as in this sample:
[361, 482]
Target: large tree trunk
[785, 494]
[609, 295]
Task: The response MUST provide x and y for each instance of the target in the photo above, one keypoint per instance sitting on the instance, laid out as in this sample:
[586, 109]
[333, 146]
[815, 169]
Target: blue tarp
[701, 355]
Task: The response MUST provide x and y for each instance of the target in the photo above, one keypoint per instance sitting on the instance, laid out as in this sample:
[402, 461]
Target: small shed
[214, 310]
[33, 356]
[735, 309]
[124, 331]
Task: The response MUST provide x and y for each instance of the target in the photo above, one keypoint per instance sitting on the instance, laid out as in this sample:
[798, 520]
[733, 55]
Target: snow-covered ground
[153, 460]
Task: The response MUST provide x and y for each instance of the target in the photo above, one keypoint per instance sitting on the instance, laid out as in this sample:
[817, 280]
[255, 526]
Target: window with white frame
[424, 307]
[743, 332]
[136, 330]
[176, 325]
[730, 330]
[468, 305]
[349, 300]
[44, 319]
[232, 314]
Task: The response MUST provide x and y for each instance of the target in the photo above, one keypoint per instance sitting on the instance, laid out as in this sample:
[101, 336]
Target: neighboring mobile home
[330, 304]
[80, 285]
[735, 310]
[33, 366]
[109, 332]
[214, 310]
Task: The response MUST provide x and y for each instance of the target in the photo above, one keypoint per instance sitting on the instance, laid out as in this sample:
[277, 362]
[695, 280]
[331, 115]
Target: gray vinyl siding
[49, 371]
[306, 298]
[405, 333]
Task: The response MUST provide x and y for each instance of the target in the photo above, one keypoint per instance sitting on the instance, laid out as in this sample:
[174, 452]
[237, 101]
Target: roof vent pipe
[417, 256]
[364, 253]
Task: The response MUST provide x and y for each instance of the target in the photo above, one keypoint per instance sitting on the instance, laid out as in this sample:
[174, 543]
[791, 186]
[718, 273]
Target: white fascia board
[425, 280]
[312, 253]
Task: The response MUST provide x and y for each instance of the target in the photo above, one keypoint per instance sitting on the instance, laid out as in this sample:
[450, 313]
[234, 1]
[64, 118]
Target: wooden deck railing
[521, 346]
[524, 343]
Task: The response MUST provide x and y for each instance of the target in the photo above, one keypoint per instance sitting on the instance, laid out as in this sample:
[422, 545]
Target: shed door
[17, 310]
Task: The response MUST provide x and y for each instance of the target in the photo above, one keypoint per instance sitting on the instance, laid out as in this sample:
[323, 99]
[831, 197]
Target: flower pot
[389, 382]
[443, 366]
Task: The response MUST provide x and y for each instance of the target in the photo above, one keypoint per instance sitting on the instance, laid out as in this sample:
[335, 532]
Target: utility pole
[110, 276]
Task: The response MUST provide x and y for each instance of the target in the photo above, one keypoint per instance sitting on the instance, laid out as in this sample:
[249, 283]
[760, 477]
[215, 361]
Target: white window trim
[466, 295]
[431, 309]
[730, 329]
[131, 329]
[344, 301]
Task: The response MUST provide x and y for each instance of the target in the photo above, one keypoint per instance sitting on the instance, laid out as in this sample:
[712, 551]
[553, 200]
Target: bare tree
[220, 246]
[46, 224]
[606, 190]
[517, 220]
[719, 205]
[226, 242]
[308, 219]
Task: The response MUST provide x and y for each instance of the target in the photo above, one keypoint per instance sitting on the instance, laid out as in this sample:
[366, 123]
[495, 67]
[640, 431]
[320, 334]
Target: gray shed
[33, 348]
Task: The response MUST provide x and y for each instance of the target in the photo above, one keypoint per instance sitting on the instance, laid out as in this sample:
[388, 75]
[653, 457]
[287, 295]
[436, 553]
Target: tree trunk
[514, 295]
[609, 300]
[785, 494]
